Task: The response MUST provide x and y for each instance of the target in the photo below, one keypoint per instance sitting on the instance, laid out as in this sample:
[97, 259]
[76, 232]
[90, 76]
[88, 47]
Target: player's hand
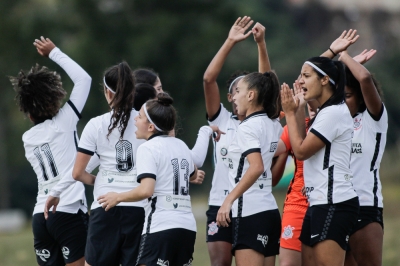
[346, 39]
[199, 178]
[50, 202]
[364, 56]
[223, 218]
[290, 103]
[237, 32]
[298, 93]
[44, 46]
[216, 133]
[108, 200]
[258, 33]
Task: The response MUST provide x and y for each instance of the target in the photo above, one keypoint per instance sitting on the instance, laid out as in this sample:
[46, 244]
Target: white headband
[233, 82]
[319, 70]
[148, 118]
[105, 84]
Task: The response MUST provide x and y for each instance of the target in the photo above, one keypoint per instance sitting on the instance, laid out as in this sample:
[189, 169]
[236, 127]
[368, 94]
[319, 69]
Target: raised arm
[79, 77]
[211, 90]
[259, 37]
[199, 150]
[370, 94]
[346, 39]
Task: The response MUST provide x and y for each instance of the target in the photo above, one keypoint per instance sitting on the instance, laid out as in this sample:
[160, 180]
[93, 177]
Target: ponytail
[119, 79]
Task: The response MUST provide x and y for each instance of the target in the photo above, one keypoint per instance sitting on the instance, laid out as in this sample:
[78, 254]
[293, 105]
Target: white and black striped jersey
[117, 171]
[228, 123]
[368, 145]
[327, 174]
[257, 133]
[50, 146]
[169, 162]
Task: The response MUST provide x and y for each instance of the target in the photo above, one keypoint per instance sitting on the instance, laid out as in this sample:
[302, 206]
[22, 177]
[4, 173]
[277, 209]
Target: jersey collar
[155, 135]
[258, 113]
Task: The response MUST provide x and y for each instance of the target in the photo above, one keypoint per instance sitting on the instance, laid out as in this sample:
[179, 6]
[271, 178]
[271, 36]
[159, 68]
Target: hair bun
[164, 99]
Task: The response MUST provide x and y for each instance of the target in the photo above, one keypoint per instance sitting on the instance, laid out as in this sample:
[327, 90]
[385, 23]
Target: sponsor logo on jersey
[175, 205]
[110, 180]
[287, 232]
[226, 192]
[261, 186]
[308, 191]
[162, 262]
[43, 254]
[46, 191]
[168, 198]
[212, 228]
[65, 252]
[224, 151]
[273, 147]
[263, 239]
[348, 177]
[357, 123]
[230, 128]
[356, 148]
[189, 263]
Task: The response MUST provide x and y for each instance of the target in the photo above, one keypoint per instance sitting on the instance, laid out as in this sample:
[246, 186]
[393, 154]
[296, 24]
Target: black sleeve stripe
[74, 108]
[146, 175]
[76, 141]
[244, 154]
[214, 116]
[85, 151]
[192, 173]
[378, 117]
[320, 136]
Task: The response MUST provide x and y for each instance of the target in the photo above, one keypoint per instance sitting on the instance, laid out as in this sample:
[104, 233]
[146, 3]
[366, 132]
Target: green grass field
[17, 249]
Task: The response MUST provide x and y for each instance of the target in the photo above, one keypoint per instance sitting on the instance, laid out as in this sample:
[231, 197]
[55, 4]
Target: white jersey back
[256, 133]
[50, 147]
[228, 123]
[368, 145]
[327, 173]
[168, 161]
[117, 171]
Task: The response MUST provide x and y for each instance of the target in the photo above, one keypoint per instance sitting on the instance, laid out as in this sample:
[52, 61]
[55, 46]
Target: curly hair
[39, 93]
[122, 82]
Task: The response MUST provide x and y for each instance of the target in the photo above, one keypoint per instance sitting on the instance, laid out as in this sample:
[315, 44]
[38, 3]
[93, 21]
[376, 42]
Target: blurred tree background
[178, 39]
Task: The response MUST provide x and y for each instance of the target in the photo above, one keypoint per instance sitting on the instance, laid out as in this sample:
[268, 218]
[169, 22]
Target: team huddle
[142, 214]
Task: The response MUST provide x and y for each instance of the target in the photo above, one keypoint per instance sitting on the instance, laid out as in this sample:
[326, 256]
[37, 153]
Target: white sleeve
[380, 125]
[248, 140]
[199, 151]
[88, 141]
[146, 163]
[80, 92]
[66, 181]
[326, 125]
[220, 117]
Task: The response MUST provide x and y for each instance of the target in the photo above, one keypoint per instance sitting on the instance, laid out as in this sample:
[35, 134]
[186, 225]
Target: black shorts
[60, 239]
[367, 215]
[260, 232]
[114, 235]
[168, 247]
[330, 221]
[215, 233]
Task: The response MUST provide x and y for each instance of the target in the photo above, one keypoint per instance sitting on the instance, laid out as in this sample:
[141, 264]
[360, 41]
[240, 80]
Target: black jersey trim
[330, 184]
[74, 108]
[379, 116]
[249, 151]
[376, 152]
[145, 175]
[237, 179]
[156, 135]
[375, 189]
[327, 156]
[255, 114]
[215, 116]
[319, 135]
[85, 151]
[97, 155]
[149, 218]
[76, 141]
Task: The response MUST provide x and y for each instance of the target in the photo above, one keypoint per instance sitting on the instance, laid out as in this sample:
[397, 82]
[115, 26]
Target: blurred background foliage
[178, 39]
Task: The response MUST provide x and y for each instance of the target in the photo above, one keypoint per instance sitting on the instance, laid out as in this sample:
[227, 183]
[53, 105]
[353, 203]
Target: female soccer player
[148, 76]
[50, 146]
[164, 169]
[370, 121]
[256, 219]
[113, 237]
[219, 239]
[326, 148]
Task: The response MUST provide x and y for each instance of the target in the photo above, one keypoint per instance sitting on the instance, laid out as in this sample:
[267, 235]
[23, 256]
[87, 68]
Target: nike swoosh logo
[312, 236]
[231, 129]
[359, 220]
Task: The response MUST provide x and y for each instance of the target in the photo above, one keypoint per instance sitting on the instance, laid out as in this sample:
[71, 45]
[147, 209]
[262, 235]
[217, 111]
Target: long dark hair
[145, 75]
[39, 93]
[335, 71]
[143, 93]
[119, 78]
[161, 112]
[268, 93]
